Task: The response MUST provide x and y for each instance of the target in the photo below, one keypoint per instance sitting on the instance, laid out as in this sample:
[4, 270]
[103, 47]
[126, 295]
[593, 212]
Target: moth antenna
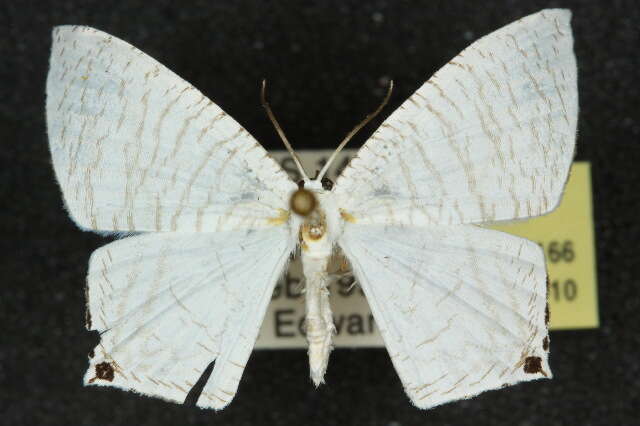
[272, 117]
[355, 130]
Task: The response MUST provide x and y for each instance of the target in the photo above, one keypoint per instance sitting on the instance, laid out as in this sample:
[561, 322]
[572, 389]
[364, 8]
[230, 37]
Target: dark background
[327, 63]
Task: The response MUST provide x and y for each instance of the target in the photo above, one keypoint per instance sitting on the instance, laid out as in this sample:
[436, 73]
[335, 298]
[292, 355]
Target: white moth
[490, 137]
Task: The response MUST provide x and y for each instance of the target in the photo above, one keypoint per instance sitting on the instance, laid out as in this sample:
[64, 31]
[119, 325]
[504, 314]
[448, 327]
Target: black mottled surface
[327, 63]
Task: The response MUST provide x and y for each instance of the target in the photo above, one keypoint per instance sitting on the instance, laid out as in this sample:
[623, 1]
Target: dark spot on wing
[545, 343]
[546, 309]
[532, 365]
[546, 314]
[87, 313]
[548, 284]
[196, 390]
[104, 371]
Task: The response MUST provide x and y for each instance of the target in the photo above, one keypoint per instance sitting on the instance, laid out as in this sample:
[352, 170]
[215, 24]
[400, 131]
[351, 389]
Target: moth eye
[327, 184]
[302, 202]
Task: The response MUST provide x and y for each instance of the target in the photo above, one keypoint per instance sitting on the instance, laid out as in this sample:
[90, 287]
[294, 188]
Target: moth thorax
[313, 231]
[303, 202]
[316, 231]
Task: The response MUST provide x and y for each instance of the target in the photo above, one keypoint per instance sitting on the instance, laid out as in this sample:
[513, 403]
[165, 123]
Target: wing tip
[217, 404]
[561, 16]
[559, 11]
[68, 30]
[427, 403]
[103, 373]
[60, 30]
[72, 28]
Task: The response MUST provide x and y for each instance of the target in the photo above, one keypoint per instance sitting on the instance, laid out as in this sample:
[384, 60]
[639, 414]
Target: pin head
[303, 202]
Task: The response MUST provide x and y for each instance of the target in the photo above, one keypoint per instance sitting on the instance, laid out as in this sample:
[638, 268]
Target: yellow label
[566, 236]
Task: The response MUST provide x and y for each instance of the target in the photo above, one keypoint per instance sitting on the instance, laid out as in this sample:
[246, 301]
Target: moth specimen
[462, 309]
